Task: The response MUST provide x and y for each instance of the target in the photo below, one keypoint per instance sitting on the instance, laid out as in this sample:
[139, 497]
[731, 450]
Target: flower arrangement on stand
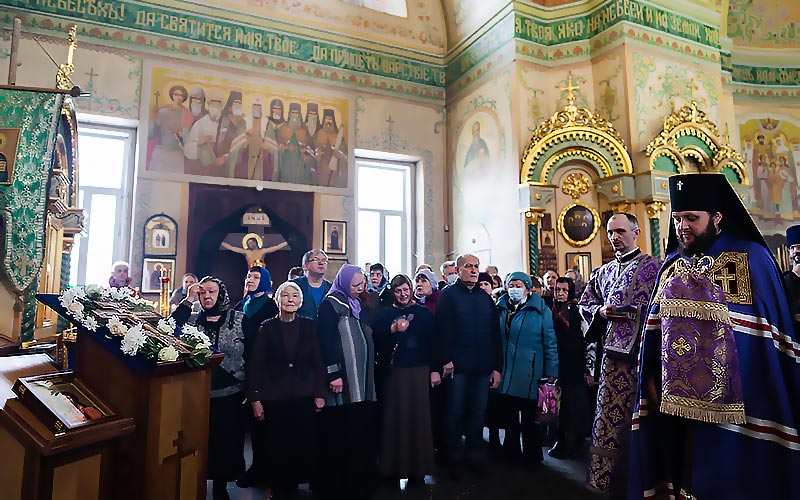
[118, 313]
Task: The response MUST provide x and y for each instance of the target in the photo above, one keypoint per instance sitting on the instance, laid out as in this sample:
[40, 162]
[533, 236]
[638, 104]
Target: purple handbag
[548, 404]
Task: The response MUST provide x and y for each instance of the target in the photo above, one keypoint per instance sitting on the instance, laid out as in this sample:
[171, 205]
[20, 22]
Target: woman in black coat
[571, 368]
[286, 378]
[405, 332]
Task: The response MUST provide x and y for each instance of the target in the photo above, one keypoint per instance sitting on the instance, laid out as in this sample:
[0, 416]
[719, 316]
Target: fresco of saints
[257, 160]
[331, 152]
[762, 187]
[252, 249]
[231, 133]
[197, 104]
[786, 165]
[166, 138]
[296, 163]
[478, 149]
[312, 118]
[200, 148]
[276, 112]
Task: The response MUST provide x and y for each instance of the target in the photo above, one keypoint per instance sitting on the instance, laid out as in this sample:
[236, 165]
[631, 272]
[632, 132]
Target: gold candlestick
[163, 299]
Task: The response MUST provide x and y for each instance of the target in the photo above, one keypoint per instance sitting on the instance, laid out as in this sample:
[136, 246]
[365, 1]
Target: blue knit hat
[523, 277]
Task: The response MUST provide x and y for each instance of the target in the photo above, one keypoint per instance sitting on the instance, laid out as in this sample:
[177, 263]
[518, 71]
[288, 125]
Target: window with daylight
[385, 215]
[105, 159]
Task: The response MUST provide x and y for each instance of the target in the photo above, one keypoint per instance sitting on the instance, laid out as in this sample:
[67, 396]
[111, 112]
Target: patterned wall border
[609, 14]
[753, 75]
[171, 47]
[130, 24]
[625, 31]
[749, 91]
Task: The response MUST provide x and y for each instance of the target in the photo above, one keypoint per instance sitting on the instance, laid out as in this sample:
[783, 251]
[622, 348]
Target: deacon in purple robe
[614, 303]
[719, 389]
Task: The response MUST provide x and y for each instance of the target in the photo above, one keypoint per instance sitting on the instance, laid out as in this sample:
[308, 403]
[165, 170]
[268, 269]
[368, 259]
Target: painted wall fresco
[484, 171]
[201, 124]
[764, 23]
[608, 82]
[661, 85]
[541, 94]
[112, 78]
[771, 149]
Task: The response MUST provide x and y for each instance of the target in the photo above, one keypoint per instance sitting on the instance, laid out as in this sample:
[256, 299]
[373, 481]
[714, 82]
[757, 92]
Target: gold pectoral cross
[724, 279]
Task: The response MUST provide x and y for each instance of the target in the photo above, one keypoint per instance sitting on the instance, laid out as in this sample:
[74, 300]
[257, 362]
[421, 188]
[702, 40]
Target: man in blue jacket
[313, 282]
[471, 353]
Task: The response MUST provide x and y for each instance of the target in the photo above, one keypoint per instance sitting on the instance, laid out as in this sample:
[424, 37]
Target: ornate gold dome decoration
[574, 133]
[693, 143]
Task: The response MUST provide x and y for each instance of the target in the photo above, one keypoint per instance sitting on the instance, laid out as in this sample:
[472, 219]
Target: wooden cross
[569, 88]
[178, 457]
[91, 74]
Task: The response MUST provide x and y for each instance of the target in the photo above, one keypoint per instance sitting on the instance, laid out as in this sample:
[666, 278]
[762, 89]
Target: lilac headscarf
[341, 284]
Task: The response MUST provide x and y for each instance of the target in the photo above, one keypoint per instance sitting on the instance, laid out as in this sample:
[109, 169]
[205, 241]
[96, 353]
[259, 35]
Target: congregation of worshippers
[653, 372]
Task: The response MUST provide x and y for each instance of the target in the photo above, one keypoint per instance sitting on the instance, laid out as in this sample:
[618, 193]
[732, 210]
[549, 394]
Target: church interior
[405, 132]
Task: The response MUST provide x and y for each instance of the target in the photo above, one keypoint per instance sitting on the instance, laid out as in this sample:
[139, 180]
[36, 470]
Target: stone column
[654, 210]
[532, 217]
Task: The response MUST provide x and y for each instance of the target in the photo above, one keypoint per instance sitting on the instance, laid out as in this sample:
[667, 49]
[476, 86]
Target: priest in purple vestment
[719, 388]
[614, 303]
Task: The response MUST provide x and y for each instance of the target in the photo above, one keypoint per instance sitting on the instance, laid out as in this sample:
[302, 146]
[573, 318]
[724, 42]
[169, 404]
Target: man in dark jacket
[471, 353]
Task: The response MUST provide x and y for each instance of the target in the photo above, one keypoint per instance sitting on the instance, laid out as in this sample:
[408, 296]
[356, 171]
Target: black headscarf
[223, 299]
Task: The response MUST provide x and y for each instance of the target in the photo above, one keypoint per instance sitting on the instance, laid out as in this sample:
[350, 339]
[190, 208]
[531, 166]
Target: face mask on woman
[516, 294]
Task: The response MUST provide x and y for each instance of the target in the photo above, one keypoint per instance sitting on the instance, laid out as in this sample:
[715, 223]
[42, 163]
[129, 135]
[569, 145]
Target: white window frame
[407, 216]
[122, 236]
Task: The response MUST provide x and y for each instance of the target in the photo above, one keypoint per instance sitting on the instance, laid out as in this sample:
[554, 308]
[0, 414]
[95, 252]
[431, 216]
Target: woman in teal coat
[529, 354]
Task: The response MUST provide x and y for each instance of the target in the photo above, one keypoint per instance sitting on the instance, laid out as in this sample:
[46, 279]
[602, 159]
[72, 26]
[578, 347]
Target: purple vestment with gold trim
[689, 439]
[627, 283]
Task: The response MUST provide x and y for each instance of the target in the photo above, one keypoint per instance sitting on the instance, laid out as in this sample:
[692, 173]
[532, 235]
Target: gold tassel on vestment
[683, 308]
[703, 411]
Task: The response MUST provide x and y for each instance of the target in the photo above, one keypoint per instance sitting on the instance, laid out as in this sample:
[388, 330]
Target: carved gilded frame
[562, 230]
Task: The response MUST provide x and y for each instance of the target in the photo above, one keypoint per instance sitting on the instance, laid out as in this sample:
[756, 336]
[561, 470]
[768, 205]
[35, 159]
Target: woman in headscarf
[529, 353]
[426, 291]
[257, 306]
[226, 329]
[406, 331]
[286, 378]
[571, 367]
[348, 425]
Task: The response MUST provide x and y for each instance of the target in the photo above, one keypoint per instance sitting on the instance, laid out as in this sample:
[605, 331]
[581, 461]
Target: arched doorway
[574, 169]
